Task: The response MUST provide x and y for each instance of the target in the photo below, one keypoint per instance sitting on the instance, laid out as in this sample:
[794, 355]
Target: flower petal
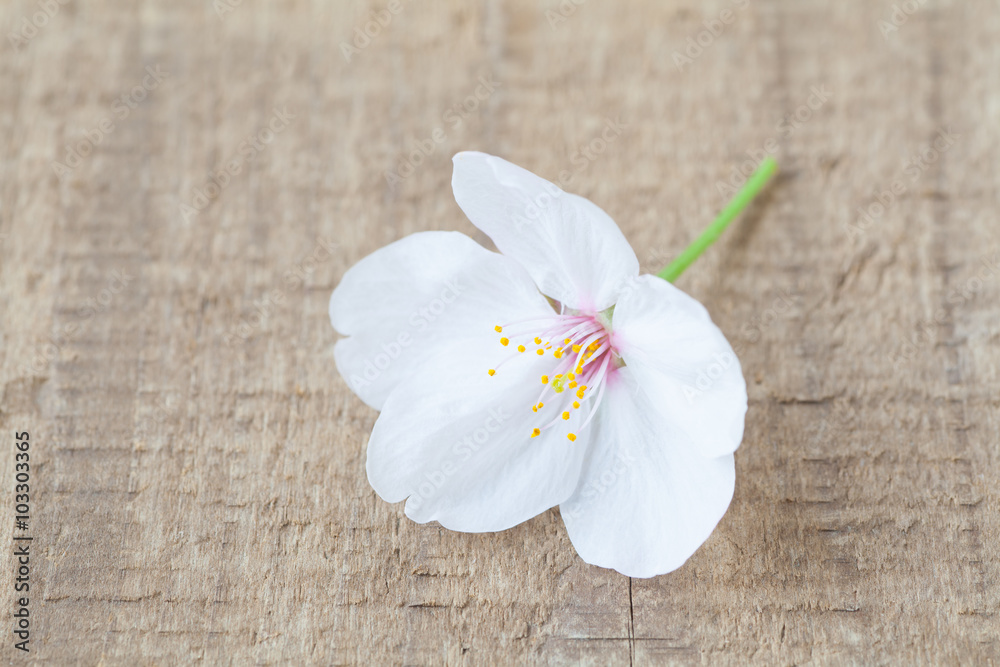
[573, 250]
[683, 362]
[457, 444]
[645, 502]
[420, 302]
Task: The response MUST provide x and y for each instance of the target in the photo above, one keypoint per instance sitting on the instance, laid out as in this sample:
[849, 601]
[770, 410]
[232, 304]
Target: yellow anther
[579, 392]
[492, 371]
[568, 341]
[548, 346]
[572, 385]
[571, 376]
[541, 405]
[576, 348]
[498, 328]
[504, 341]
[559, 375]
[534, 408]
[545, 379]
[571, 436]
[520, 348]
[535, 432]
[558, 353]
[540, 351]
[565, 415]
[576, 405]
[538, 341]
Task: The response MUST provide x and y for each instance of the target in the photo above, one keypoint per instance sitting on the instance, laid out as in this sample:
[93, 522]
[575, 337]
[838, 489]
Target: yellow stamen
[576, 405]
[579, 392]
[571, 436]
[535, 432]
[558, 353]
[568, 341]
[545, 379]
[498, 328]
[571, 376]
[504, 341]
[540, 351]
[492, 371]
[520, 348]
[565, 415]
[538, 341]
[572, 385]
[576, 348]
[541, 405]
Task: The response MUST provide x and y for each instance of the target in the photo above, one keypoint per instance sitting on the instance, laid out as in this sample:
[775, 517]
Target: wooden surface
[199, 483]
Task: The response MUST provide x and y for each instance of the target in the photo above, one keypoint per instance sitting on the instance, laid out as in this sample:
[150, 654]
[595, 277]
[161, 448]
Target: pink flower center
[584, 358]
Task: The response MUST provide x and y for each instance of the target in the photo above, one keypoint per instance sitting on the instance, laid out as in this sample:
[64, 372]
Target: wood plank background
[200, 493]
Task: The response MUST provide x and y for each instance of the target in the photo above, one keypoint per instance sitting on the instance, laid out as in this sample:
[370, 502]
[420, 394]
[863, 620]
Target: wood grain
[200, 493]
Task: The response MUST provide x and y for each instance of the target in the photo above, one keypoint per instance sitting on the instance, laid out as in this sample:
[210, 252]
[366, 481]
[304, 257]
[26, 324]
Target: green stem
[750, 189]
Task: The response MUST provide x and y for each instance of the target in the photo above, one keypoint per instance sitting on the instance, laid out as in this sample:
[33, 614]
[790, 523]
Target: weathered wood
[199, 485]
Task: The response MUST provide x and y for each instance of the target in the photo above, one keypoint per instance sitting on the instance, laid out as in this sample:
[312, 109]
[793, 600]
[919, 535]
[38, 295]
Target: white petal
[645, 501]
[416, 302]
[573, 250]
[457, 443]
[683, 362]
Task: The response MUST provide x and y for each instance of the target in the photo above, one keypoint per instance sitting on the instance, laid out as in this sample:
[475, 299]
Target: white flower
[550, 374]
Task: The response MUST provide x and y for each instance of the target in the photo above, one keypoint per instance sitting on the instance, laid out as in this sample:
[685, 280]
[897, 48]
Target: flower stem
[750, 189]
